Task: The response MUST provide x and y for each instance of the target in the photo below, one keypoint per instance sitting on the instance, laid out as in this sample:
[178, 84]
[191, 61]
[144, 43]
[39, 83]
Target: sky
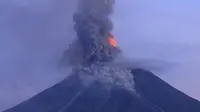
[164, 30]
[35, 33]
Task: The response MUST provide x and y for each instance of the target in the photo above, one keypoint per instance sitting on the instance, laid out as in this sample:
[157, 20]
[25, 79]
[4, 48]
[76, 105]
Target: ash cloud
[93, 26]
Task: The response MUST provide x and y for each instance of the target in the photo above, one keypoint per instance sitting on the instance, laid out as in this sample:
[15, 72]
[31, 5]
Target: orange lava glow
[112, 41]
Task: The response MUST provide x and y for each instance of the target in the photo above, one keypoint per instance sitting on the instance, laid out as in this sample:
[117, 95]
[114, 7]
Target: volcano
[96, 84]
[153, 95]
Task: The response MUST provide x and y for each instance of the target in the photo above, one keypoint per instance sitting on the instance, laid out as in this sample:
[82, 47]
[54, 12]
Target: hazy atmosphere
[35, 33]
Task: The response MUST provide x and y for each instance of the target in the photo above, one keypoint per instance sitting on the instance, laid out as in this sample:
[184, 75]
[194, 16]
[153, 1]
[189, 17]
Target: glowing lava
[112, 41]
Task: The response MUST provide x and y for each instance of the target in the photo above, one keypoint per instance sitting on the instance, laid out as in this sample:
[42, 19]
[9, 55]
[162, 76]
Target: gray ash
[93, 25]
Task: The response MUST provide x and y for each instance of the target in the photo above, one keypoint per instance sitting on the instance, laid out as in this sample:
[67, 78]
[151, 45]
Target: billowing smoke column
[92, 53]
[93, 27]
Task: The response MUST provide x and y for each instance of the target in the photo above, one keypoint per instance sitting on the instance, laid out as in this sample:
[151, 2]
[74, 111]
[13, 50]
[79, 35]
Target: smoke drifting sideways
[34, 34]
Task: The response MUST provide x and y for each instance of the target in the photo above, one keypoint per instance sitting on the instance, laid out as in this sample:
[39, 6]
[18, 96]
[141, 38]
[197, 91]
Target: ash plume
[93, 27]
[92, 54]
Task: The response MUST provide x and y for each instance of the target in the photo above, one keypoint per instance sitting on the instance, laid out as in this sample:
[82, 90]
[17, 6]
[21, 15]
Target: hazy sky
[166, 30]
[34, 34]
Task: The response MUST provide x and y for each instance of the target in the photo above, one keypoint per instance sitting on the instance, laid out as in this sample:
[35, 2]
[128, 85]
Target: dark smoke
[92, 51]
[93, 26]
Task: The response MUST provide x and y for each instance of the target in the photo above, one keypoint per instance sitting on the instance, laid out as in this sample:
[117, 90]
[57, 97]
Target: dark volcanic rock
[97, 98]
[71, 96]
[161, 94]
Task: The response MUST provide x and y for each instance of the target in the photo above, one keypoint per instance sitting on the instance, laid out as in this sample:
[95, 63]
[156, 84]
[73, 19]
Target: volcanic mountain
[151, 95]
[96, 83]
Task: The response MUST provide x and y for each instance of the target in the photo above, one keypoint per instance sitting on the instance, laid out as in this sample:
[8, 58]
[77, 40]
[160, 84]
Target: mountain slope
[155, 90]
[71, 96]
